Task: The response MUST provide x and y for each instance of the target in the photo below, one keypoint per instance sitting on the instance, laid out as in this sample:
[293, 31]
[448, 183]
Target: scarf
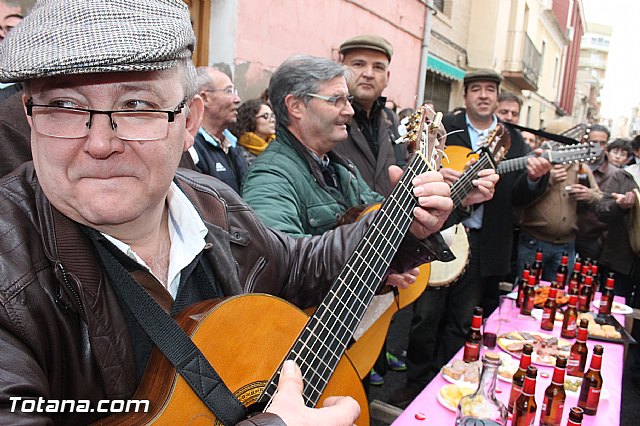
[254, 143]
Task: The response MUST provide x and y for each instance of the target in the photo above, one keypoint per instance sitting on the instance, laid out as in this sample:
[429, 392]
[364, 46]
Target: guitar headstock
[425, 135]
[584, 152]
[498, 142]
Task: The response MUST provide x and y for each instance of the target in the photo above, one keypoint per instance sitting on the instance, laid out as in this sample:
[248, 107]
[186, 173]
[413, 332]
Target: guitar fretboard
[324, 339]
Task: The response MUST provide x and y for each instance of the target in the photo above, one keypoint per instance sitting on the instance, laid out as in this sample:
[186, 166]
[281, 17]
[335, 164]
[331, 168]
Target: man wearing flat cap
[442, 316]
[103, 237]
[373, 129]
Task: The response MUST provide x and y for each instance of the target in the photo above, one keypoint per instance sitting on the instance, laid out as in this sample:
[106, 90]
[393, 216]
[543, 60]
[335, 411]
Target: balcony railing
[522, 63]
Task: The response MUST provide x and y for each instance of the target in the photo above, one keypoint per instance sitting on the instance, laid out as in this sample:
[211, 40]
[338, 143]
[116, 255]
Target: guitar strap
[174, 343]
[551, 136]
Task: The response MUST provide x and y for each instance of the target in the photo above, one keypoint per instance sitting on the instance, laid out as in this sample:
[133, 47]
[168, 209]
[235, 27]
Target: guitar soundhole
[248, 395]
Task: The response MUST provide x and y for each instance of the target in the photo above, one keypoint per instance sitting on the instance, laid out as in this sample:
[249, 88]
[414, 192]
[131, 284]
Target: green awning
[444, 68]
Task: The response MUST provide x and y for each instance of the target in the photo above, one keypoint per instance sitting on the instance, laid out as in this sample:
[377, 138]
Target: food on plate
[465, 371]
[452, 393]
[597, 330]
[542, 294]
[508, 367]
[545, 347]
[572, 384]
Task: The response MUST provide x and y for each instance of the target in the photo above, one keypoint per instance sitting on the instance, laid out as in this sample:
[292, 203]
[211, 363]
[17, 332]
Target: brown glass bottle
[537, 267]
[592, 384]
[518, 378]
[474, 337]
[549, 310]
[586, 290]
[606, 299]
[523, 285]
[554, 396]
[529, 297]
[525, 407]
[575, 416]
[569, 322]
[579, 351]
[574, 279]
[563, 270]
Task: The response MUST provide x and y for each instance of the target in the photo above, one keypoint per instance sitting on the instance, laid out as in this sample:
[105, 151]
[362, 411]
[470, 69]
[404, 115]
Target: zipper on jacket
[73, 291]
[259, 266]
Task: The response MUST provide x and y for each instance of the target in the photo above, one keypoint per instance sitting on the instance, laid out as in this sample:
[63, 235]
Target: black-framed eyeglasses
[74, 123]
[229, 91]
[267, 116]
[339, 101]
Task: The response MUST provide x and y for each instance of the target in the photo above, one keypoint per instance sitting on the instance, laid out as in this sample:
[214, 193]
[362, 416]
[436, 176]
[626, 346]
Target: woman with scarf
[255, 128]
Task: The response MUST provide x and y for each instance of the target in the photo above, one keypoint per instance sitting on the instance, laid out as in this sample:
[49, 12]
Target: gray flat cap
[89, 36]
[482, 74]
[368, 41]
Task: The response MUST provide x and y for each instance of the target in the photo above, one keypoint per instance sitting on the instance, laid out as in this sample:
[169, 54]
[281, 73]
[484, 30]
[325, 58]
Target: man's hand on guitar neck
[434, 199]
[537, 166]
[288, 404]
[485, 184]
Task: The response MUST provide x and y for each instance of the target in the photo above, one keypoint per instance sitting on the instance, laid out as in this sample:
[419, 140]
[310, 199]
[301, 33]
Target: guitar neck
[463, 186]
[513, 165]
[324, 339]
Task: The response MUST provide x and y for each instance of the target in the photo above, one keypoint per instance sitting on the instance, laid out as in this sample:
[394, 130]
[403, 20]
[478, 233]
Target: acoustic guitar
[247, 338]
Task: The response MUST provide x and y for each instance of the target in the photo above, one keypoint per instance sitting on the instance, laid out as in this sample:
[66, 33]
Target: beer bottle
[579, 351]
[525, 407]
[569, 323]
[574, 279]
[518, 378]
[606, 300]
[554, 395]
[474, 337]
[523, 285]
[549, 310]
[575, 416]
[537, 267]
[596, 275]
[592, 384]
[563, 270]
[529, 297]
[586, 290]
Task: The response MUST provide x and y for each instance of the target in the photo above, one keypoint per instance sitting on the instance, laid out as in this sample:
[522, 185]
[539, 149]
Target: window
[439, 5]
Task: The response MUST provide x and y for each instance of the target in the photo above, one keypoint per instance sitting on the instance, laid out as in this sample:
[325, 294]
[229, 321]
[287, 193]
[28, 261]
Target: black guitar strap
[551, 136]
[174, 343]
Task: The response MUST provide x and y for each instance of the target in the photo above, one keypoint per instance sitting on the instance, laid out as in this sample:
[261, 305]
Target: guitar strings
[347, 319]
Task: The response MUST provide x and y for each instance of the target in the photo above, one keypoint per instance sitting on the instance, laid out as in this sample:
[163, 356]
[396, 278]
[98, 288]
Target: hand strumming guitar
[288, 403]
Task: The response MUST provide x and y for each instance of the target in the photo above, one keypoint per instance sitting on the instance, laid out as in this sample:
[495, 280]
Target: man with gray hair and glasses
[103, 237]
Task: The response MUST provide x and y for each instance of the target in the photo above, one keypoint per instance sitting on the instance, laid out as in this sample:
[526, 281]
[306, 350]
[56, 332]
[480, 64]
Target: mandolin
[247, 338]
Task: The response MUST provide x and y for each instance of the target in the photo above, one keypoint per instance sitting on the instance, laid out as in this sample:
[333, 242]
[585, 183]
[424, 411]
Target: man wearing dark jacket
[102, 209]
[373, 129]
[217, 155]
[442, 316]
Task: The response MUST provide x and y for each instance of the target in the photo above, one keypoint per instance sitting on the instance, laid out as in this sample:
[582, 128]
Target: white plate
[458, 381]
[537, 314]
[444, 403]
[616, 308]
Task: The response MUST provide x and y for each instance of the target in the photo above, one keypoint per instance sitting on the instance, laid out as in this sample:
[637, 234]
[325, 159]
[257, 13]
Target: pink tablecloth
[426, 403]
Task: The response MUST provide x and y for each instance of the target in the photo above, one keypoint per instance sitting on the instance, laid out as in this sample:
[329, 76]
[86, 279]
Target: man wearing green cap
[373, 129]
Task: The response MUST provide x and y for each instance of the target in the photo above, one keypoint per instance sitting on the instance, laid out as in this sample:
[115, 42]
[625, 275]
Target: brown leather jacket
[60, 322]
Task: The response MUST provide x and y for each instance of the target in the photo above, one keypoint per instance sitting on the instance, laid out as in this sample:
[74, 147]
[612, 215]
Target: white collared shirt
[186, 231]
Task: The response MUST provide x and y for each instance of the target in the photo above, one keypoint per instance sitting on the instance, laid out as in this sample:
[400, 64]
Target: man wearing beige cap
[373, 129]
[103, 236]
